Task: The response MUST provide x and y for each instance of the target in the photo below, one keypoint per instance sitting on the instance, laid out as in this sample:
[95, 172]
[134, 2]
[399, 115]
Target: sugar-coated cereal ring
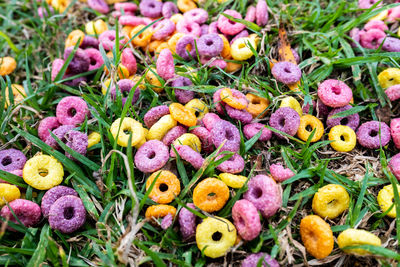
[246, 219]
[232, 180]
[252, 129]
[189, 155]
[77, 141]
[292, 102]
[376, 24]
[90, 42]
[390, 44]
[213, 27]
[8, 193]
[317, 236]
[167, 221]
[187, 221]
[321, 109]
[357, 237]
[182, 114]
[161, 127]
[74, 37]
[176, 18]
[385, 200]
[173, 41]
[210, 195]
[209, 120]
[118, 14]
[96, 27]
[234, 164]
[286, 72]
[330, 201]
[80, 62]
[188, 27]
[373, 134]
[56, 66]
[197, 15]
[393, 14]
[226, 49]
[166, 187]
[215, 236]
[151, 156]
[204, 29]
[389, 77]
[234, 99]
[11, 160]
[95, 58]
[257, 105]
[261, 13]
[395, 131]
[154, 80]
[189, 139]
[7, 65]
[370, 39]
[198, 107]
[286, 120]
[173, 134]
[127, 7]
[228, 27]
[43, 172]
[186, 5]
[141, 39]
[129, 61]
[264, 193]
[99, 5]
[107, 40]
[393, 92]
[162, 46]
[60, 5]
[315, 124]
[153, 45]
[253, 259]
[67, 214]
[169, 9]
[240, 49]
[352, 120]
[154, 114]
[165, 64]
[150, 8]
[18, 92]
[205, 138]
[365, 4]
[130, 125]
[241, 34]
[280, 173]
[355, 34]
[334, 93]
[212, 62]
[160, 211]
[163, 29]
[125, 86]
[224, 131]
[210, 45]
[250, 14]
[130, 20]
[344, 138]
[52, 195]
[27, 212]
[72, 110]
[60, 133]
[232, 66]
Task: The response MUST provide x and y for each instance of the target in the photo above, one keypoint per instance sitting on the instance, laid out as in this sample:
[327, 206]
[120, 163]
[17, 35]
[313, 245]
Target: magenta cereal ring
[261, 13]
[67, 214]
[210, 45]
[117, 14]
[286, 120]
[251, 14]
[125, 86]
[197, 15]
[187, 154]
[334, 93]
[165, 64]
[42, 12]
[89, 41]
[181, 47]
[163, 29]
[167, 221]
[286, 72]
[49, 123]
[130, 20]
[107, 40]
[187, 221]
[394, 165]
[173, 134]
[99, 5]
[213, 27]
[352, 120]
[126, 7]
[228, 27]
[370, 39]
[154, 114]
[204, 29]
[246, 219]
[56, 67]
[365, 4]
[60, 132]
[241, 115]
[95, 58]
[253, 259]
[129, 61]
[265, 194]
[188, 27]
[27, 212]
[72, 110]
[52, 195]
[77, 141]
[393, 92]
[368, 134]
[390, 44]
[234, 164]
[355, 34]
[280, 173]
[79, 63]
[395, 131]
[209, 120]
[182, 95]
[252, 129]
[224, 131]
[150, 8]
[205, 137]
[220, 63]
[11, 160]
[393, 14]
[151, 156]
[376, 24]
[241, 34]
[169, 9]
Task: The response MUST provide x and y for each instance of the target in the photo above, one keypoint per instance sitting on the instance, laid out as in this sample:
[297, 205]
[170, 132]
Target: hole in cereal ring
[71, 112]
[209, 42]
[255, 101]
[391, 79]
[69, 213]
[342, 138]
[287, 70]
[125, 93]
[257, 192]
[6, 161]
[241, 222]
[93, 61]
[309, 128]
[232, 22]
[373, 133]
[228, 134]
[336, 90]
[189, 28]
[151, 5]
[216, 236]
[127, 132]
[282, 122]
[151, 155]
[43, 172]
[332, 202]
[163, 187]
[344, 121]
[211, 196]
[196, 113]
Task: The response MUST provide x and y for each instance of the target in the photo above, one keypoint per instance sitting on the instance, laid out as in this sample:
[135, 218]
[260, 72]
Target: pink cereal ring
[96, 60]
[99, 5]
[393, 92]
[72, 110]
[252, 129]
[261, 13]
[186, 153]
[234, 164]
[173, 134]
[165, 64]
[151, 156]
[49, 123]
[210, 119]
[163, 29]
[394, 165]
[355, 34]
[188, 27]
[205, 137]
[213, 27]
[197, 15]
[246, 219]
[370, 39]
[129, 61]
[154, 114]
[376, 24]
[241, 115]
[251, 14]
[127, 7]
[117, 14]
[129, 20]
[226, 26]
[107, 40]
[187, 221]
[27, 212]
[241, 34]
[280, 173]
[395, 131]
[365, 4]
[334, 93]
[169, 9]
[56, 67]
[393, 14]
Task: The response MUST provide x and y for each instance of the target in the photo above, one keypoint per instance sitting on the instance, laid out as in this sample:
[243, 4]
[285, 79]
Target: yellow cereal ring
[235, 102]
[18, 94]
[176, 18]
[257, 105]
[152, 78]
[165, 188]
[43, 172]
[189, 139]
[74, 37]
[96, 27]
[143, 39]
[106, 86]
[161, 127]
[7, 65]
[313, 122]
[232, 180]
[8, 193]
[226, 50]
[60, 5]
[385, 200]
[210, 195]
[153, 45]
[389, 77]
[240, 49]
[381, 16]
[130, 125]
[337, 133]
[162, 46]
[93, 139]
[356, 237]
[292, 102]
[173, 40]
[198, 107]
[186, 5]
[182, 114]
[136, 79]
[330, 201]
[255, 37]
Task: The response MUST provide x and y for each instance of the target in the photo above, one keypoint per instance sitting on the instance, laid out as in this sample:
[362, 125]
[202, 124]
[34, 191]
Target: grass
[113, 191]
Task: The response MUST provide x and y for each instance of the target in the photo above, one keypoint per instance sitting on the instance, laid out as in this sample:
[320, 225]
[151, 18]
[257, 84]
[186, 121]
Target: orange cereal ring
[166, 187]
[313, 122]
[317, 236]
[153, 79]
[182, 114]
[160, 211]
[231, 100]
[232, 66]
[7, 65]
[186, 5]
[143, 39]
[162, 46]
[74, 37]
[257, 105]
[153, 45]
[226, 50]
[126, 32]
[210, 195]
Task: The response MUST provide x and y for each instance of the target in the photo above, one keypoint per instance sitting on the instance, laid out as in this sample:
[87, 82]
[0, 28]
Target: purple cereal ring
[49, 123]
[370, 39]
[182, 95]
[261, 13]
[77, 141]
[154, 114]
[167, 221]
[67, 214]
[150, 8]
[321, 109]
[264, 193]
[27, 212]
[56, 67]
[204, 29]
[74, 82]
[253, 259]
[186, 153]
[228, 27]
[251, 14]
[286, 72]
[125, 86]
[393, 14]
[376, 24]
[181, 47]
[169, 9]
[365, 4]
[286, 120]
[187, 221]
[352, 120]
[188, 27]
[220, 104]
[395, 131]
[99, 5]
[334, 93]
[129, 61]
[79, 63]
[393, 92]
[205, 137]
[209, 120]
[11, 160]
[173, 134]
[197, 15]
[254, 128]
[126, 7]
[234, 164]
[130, 20]
[42, 12]
[151, 156]
[295, 55]
[390, 44]
[52, 195]
[95, 58]
[241, 34]
[241, 115]
[394, 165]
[165, 64]
[72, 110]
[107, 40]
[213, 27]
[368, 134]
[224, 131]
[355, 34]
[210, 45]
[280, 173]
[60, 132]
[246, 219]
[89, 41]
[220, 63]
[163, 29]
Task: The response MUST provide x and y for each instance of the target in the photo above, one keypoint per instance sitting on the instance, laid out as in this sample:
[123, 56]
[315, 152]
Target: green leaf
[38, 256]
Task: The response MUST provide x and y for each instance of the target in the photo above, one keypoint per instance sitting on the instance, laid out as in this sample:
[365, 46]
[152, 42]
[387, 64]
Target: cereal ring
[357, 237]
[389, 77]
[376, 24]
[261, 13]
[250, 14]
[89, 42]
[151, 156]
[344, 138]
[96, 27]
[232, 180]
[352, 120]
[253, 259]
[72, 110]
[234, 164]
[264, 193]
[74, 37]
[280, 173]
[52, 195]
[385, 200]
[42, 12]
[77, 141]
[167, 221]
[296, 56]
[370, 39]
[198, 107]
[166, 187]
[173, 134]
[241, 34]
[188, 27]
[321, 108]
[228, 27]
[163, 29]
[74, 82]
[224, 131]
[286, 72]
[317, 236]
[189, 155]
[252, 129]
[60, 5]
[390, 44]
[8, 193]
[160, 211]
[18, 93]
[130, 20]
[56, 66]
[204, 29]
[127, 7]
[169, 9]
[292, 102]
[185, 47]
[334, 93]
[234, 99]
[187, 221]
[11, 160]
[393, 92]
[197, 15]
[205, 138]
[355, 34]
[186, 5]
[129, 125]
[182, 114]
[395, 131]
[240, 49]
[99, 5]
[176, 18]
[372, 134]
[257, 105]
[212, 62]
[161, 127]
[165, 64]
[189, 139]
[27, 212]
[213, 27]
[210, 195]
[215, 236]
[124, 87]
[95, 58]
[107, 40]
[43, 172]
[150, 8]
[67, 214]
[129, 61]
[154, 114]
[210, 45]
[209, 120]
[366, 4]
[330, 201]
[241, 115]
[79, 63]
[226, 50]
[309, 121]
[286, 120]
[61, 133]
[246, 219]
